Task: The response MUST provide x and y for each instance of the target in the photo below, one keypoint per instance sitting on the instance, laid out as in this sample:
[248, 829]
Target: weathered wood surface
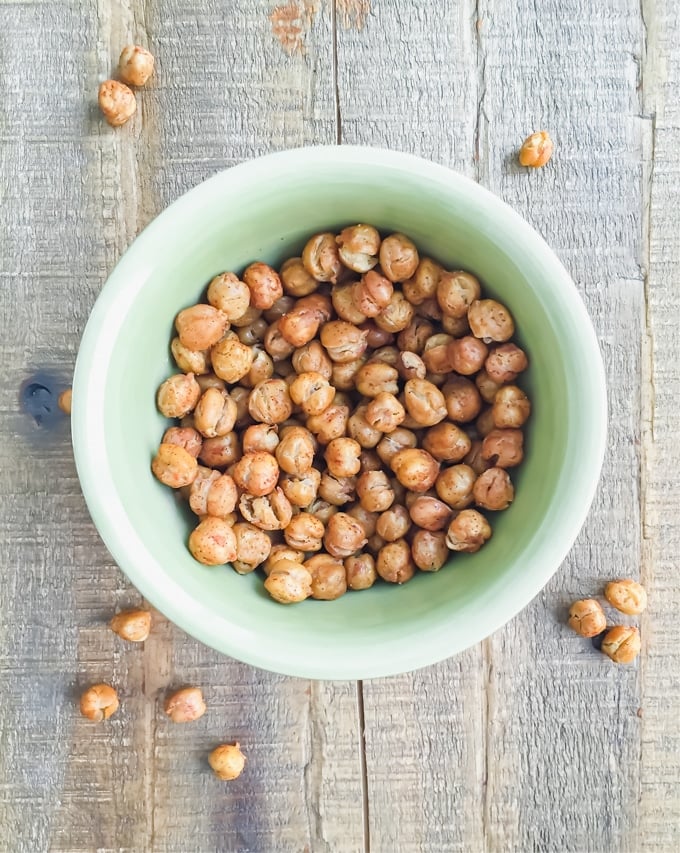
[526, 742]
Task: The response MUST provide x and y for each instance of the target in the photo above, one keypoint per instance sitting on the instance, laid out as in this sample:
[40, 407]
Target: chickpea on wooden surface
[351, 407]
[536, 149]
[227, 761]
[587, 618]
[132, 625]
[99, 702]
[186, 705]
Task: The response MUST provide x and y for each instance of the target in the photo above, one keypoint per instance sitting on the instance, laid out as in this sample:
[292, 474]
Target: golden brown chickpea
[178, 395]
[364, 517]
[587, 618]
[415, 335]
[229, 294]
[345, 303]
[132, 625]
[295, 450]
[321, 259]
[360, 571]
[322, 509]
[511, 407]
[295, 278]
[474, 458]
[343, 341]
[227, 761]
[186, 705]
[188, 360]
[429, 513]
[372, 294]
[467, 355]
[342, 457]
[503, 447]
[490, 321]
[199, 489]
[536, 150]
[99, 702]
[423, 285]
[251, 316]
[220, 452]
[375, 491]
[385, 412]
[329, 579]
[269, 512]
[135, 65]
[299, 326]
[261, 369]
[222, 497]
[358, 247]
[201, 326]
[253, 547]
[375, 336]
[493, 489]
[283, 305]
[468, 531]
[117, 102]
[213, 542]
[394, 523]
[395, 441]
[505, 362]
[376, 377]
[463, 402]
[455, 484]
[628, 596]
[330, 424]
[344, 535]
[231, 360]
[411, 366]
[456, 291]
[288, 582]
[312, 392]
[337, 490]
[276, 345]
[398, 257]
[415, 469]
[174, 466]
[484, 423]
[394, 563]
[622, 644]
[397, 314]
[241, 396]
[312, 358]
[344, 375]
[386, 355]
[437, 359]
[458, 327]
[264, 285]
[282, 552]
[186, 437]
[430, 310]
[270, 402]
[429, 550]
[257, 473]
[447, 442]
[360, 429]
[209, 380]
[301, 491]
[424, 401]
[305, 532]
[487, 387]
[215, 413]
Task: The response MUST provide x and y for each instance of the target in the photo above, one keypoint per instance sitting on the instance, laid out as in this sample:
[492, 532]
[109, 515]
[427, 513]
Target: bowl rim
[98, 486]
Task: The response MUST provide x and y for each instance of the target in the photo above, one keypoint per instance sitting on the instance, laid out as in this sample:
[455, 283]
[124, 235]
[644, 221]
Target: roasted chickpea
[270, 402]
[178, 395]
[253, 333]
[343, 341]
[376, 377]
[322, 509]
[199, 489]
[188, 360]
[117, 102]
[299, 326]
[288, 582]
[364, 517]
[342, 457]
[329, 580]
[264, 285]
[493, 489]
[411, 366]
[503, 447]
[213, 542]
[587, 618]
[305, 532]
[447, 442]
[282, 552]
[174, 466]
[423, 284]
[64, 400]
[222, 497]
[474, 458]
[484, 423]
[430, 310]
[312, 358]
[358, 247]
[209, 380]
[231, 360]
[186, 705]
[276, 345]
[536, 149]
[337, 490]
[488, 388]
[186, 437]
[467, 355]
[229, 294]
[628, 596]
[295, 451]
[458, 327]
[463, 402]
[135, 65]
[343, 375]
[455, 484]
[415, 469]
[283, 305]
[374, 544]
[99, 702]
[372, 294]
[295, 278]
[437, 359]
[505, 362]
[511, 407]
[215, 413]
[360, 571]
[330, 424]
[394, 563]
[344, 535]
[201, 326]
[132, 625]
[312, 392]
[622, 644]
[386, 355]
[397, 314]
[415, 335]
[376, 337]
[361, 430]
[385, 412]
[251, 316]
[490, 321]
[321, 259]
[398, 257]
[268, 512]
[227, 761]
[429, 550]
[424, 401]
[375, 491]
[221, 451]
[253, 547]
[301, 490]
[456, 291]
[261, 369]
[394, 523]
[345, 303]
[468, 531]
[429, 513]
[257, 473]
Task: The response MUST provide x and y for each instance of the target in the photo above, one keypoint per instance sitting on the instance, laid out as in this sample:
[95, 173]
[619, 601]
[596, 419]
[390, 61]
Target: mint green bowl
[265, 209]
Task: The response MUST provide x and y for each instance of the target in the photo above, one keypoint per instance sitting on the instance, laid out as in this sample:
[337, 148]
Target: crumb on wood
[353, 13]
[291, 22]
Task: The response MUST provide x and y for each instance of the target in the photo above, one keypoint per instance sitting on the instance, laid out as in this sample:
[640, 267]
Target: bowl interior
[266, 210]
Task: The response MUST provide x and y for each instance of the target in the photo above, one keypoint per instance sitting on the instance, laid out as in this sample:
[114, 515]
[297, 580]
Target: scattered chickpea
[186, 437]
[429, 513]
[312, 392]
[511, 407]
[99, 702]
[622, 644]
[269, 402]
[394, 523]
[397, 315]
[186, 705]
[132, 625]
[536, 149]
[505, 363]
[256, 473]
[227, 761]
[343, 341]
[628, 596]
[295, 451]
[268, 512]
[423, 284]
[342, 457]
[135, 65]
[64, 401]
[372, 294]
[447, 442]
[467, 355]
[117, 102]
[305, 532]
[229, 294]
[385, 412]
[424, 402]
[587, 618]
[455, 486]
[344, 535]
[503, 447]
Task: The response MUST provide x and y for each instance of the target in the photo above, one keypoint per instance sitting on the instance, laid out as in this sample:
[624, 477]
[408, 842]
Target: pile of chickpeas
[339, 419]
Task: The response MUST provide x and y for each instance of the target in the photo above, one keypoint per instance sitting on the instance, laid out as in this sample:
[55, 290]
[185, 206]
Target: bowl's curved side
[107, 472]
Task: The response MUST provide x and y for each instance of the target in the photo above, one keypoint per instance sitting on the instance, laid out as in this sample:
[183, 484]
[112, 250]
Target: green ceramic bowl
[265, 209]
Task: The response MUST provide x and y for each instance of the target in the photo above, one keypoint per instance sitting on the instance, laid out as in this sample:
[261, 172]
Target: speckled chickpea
[385, 412]
[485, 423]
[503, 447]
[342, 457]
[222, 497]
[261, 369]
[227, 761]
[251, 316]
[386, 355]
[463, 401]
[446, 442]
[321, 259]
[455, 484]
[364, 517]
[201, 326]
[99, 702]
[312, 358]
[186, 437]
[253, 547]
[505, 362]
[456, 291]
[429, 513]
[132, 625]
[458, 327]
[394, 563]
[430, 310]
[344, 535]
[467, 355]
[188, 360]
[135, 65]
[622, 644]
[374, 491]
[229, 294]
[424, 402]
[264, 285]
[394, 523]
[423, 284]
[295, 451]
[117, 102]
[468, 531]
[372, 294]
[536, 150]
[337, 490]
[330, 424]
[186, 705]
[299, 326]
[312, 392]
[511, 407]
[241, 396]
[375, 336]
[358, 247]
[257, 473]
[199, 489]
[628, 596]
[276, 345]
[395, 441]
[221, 451]
[329, 579]
[429, 550]
[343, 341]
[282, 552]
[490, 321]
[493, 489]
[398, 257]
[295, 278]
[376, 377]
[436, 358]
[301, 490]
[323, 509]
[343, 375]
[304, 532]
[213, 542]
[410, 366]
[474, 458]
[415, 469]
[231, 360]
[360, 571]
[487, 387]
[268, 512]
[587, 618]
[270, 402]
[345, 304]
[361, 430]
[174, 466]
[414, 337]
[215, 413]
[397, 314]
[178, 395]
[288, 582]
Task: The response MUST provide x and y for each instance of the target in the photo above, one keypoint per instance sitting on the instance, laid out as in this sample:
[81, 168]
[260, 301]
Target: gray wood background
[526, 742]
